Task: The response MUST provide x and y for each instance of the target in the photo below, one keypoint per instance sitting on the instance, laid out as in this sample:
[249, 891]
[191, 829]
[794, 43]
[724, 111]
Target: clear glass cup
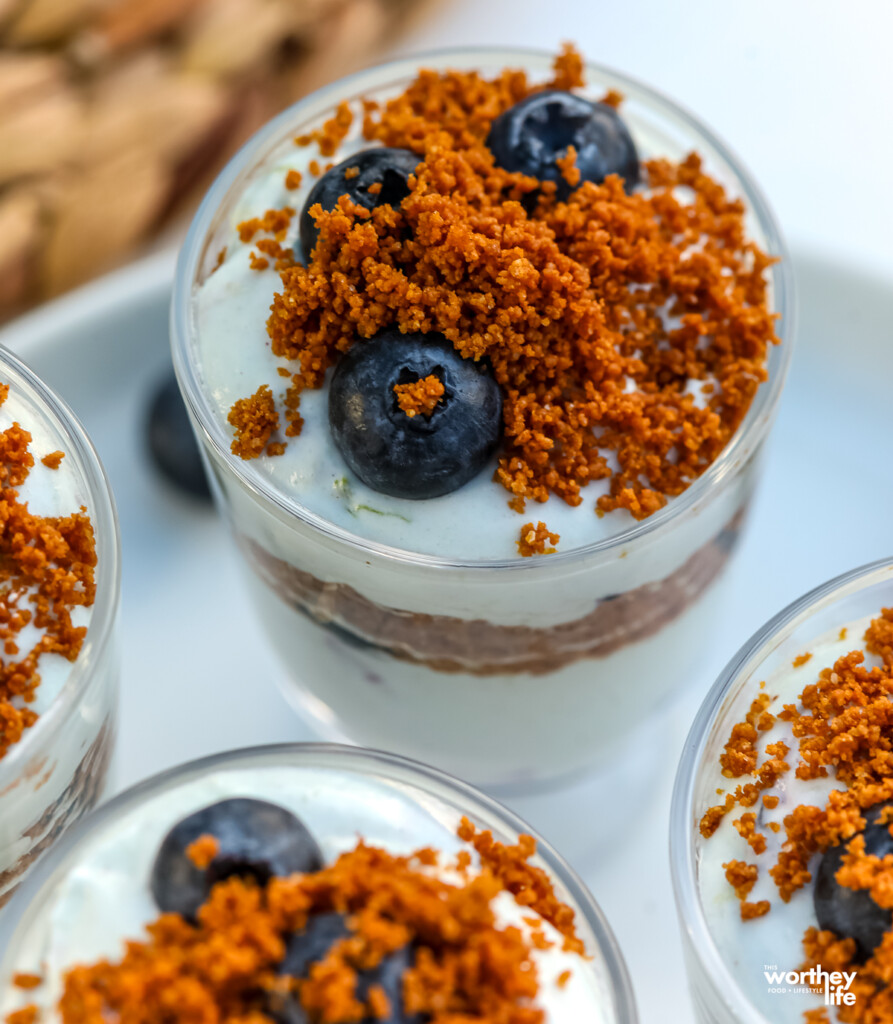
[339, 792]
[508, 673]
[57, 771]
[717, 986]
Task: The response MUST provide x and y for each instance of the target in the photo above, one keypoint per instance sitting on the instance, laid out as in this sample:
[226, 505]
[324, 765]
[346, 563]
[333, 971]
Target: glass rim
[104, 517]
[746, 439]
[682, 830]
[477, 801]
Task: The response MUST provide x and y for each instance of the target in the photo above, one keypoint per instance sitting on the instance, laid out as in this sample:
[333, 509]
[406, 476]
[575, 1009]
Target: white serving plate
[198, 678]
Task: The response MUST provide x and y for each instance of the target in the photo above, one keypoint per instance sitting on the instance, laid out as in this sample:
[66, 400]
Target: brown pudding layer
[80, 795]
[478, 647]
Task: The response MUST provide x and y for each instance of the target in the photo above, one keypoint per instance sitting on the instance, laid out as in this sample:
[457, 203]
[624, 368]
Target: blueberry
[284, 1008]
[530, 136]
[388, 975]
[255, 839]
[389, 168]
[172, 444]
[852, 913]
[421, 456]
[313, 944]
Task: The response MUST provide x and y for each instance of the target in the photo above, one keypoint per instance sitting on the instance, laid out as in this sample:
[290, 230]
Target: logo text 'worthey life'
[834, 985]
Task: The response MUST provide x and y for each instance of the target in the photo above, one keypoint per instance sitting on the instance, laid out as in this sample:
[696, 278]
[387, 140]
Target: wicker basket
[114, 114]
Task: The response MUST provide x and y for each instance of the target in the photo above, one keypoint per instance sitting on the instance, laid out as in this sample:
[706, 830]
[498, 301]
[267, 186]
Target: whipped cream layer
[100, 897]
[773, 942]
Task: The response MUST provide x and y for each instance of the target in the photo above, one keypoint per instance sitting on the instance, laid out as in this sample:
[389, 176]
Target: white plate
[197, 675]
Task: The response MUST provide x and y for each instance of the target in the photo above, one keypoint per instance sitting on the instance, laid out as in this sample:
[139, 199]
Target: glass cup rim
[747, 437]
[130, 798]
[682, 848]
[104, 517]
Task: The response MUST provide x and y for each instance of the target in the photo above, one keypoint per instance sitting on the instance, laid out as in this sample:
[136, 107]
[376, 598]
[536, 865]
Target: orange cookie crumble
[27, 1015]
[567, 164]
[628, 332]
[751, 910]
[332, 134]
[467, 966]
[419, 396]
[273, 222]
[530, 885]
[47, 569]
[740, 876]
[255, 419]
[53, 460]
[27, 981]
[534, 540]
[203, 851]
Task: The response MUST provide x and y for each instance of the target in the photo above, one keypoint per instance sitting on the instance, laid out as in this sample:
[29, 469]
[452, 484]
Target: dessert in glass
[304, 883]
[483, 402]
[58, 611]
[780, 825]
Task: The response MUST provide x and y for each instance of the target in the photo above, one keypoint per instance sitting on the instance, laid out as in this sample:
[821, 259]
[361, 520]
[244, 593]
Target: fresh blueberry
[530, 136]
[313, 944]
[852, 913]
[172, 444]
[421, 456]
[255, 839]
[385, 167]
[389, 976]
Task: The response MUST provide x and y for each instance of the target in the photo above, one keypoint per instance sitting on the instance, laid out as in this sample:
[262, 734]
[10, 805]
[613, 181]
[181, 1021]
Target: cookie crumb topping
[465, 965]
[419, 397]
[255, 419]
[628, 332]
[203, 851]
[536, 540]
[27, 981]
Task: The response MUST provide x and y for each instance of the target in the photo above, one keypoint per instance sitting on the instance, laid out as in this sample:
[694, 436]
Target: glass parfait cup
[509, 673]
[92, 892]
[57, 771]
[727, 989]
